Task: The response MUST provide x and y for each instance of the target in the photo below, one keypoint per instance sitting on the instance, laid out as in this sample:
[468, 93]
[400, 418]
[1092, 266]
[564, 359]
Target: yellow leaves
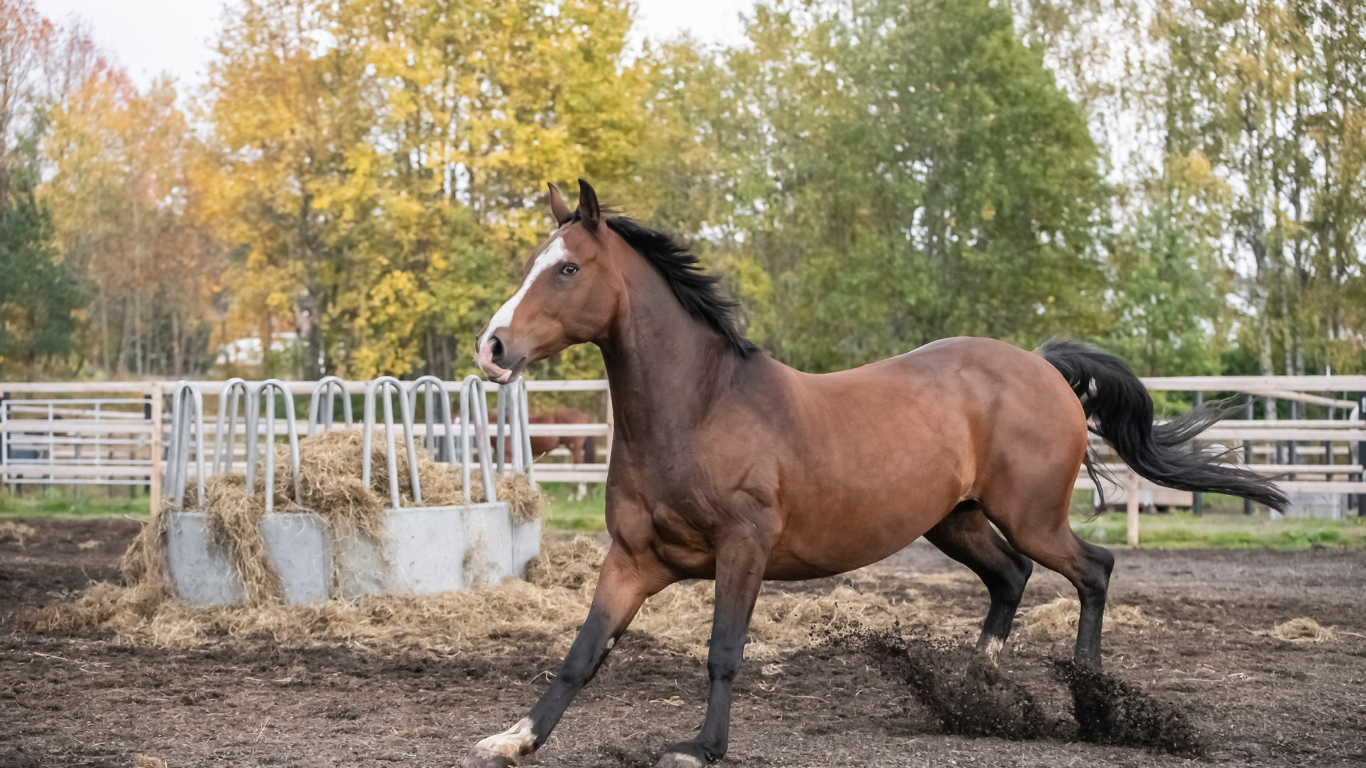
[279, 302]
[750, 280]
[398, 162]
[396, 307]
[398, 294]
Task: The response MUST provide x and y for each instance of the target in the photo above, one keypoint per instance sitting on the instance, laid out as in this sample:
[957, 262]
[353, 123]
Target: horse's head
[569, 295]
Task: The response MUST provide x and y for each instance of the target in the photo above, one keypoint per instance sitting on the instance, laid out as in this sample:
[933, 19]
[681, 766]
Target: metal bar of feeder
[428, 385]
[186, 403]
[173, 447]
[474, 409]
[252, 425]
[223, 444]
[526, 432]
[269, 389]
[388, 386]
[320, 403]
[502, 437]
[187, 419]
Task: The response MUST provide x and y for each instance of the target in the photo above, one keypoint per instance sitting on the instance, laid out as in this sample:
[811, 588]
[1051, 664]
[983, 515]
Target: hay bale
[571, 564]
[234, 516]
[148, 761]
[526, 501]
[331, 465]
[1058, 618]
[1303, 630]
[143, 565]
[330, 482]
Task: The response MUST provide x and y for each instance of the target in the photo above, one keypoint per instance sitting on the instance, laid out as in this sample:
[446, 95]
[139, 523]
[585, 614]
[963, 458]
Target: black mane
[696, 290]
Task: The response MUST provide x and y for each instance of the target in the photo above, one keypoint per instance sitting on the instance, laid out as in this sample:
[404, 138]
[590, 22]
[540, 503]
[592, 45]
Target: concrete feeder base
[426, 550]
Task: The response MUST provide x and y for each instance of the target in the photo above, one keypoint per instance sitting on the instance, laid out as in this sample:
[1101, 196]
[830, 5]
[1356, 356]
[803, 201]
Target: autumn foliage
[354, 187]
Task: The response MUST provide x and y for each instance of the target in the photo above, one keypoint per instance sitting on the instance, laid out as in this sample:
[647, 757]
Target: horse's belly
[837, 530]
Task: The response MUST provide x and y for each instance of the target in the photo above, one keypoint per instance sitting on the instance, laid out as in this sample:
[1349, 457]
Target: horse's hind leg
[1036, 525]
[966, 536]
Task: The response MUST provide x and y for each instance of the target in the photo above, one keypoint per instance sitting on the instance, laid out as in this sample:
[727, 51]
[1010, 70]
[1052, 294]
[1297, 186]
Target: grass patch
[587, 514]
[63, 503]
[1183, 530]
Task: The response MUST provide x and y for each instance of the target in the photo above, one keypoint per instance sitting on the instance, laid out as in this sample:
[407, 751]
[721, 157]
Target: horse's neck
[665, 370]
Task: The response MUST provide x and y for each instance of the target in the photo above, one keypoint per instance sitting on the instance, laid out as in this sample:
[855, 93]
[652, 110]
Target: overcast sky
[153, 36]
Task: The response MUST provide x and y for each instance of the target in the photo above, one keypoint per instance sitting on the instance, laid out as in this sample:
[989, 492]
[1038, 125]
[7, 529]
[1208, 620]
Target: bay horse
[583, 449]
[728, 465]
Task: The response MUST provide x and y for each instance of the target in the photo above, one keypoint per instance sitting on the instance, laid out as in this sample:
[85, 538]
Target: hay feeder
[312, 555]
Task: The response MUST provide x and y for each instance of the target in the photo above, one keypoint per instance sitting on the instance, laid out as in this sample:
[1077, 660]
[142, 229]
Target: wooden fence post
[611, 427]
[4, 437]
[1198, 500]
[154, 485]
[1361, 457]
[1132, 490]
[1247, 448]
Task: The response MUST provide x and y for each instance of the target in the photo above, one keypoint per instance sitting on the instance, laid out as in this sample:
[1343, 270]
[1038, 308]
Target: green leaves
[39, 297]
[905, 175]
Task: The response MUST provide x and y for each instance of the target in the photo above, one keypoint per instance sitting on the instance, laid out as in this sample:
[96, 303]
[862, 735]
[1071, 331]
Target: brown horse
[729, 465]
[582, 448]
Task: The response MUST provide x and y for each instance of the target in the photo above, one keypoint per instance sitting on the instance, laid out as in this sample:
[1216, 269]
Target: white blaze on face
[552, 255]
[512, 743]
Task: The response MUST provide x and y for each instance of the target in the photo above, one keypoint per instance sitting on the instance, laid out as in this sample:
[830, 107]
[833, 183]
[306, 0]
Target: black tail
[590, 450]
[1121, 412]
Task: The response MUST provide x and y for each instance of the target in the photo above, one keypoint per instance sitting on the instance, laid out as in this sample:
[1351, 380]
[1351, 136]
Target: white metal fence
[104, 433]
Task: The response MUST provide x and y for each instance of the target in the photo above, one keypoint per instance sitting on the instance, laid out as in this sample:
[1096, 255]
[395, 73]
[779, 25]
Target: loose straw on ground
[1303, 630]
[551, 604]
[1058, 618]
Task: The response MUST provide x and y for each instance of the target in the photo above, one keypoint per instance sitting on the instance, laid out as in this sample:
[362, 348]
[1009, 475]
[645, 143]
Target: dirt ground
[1254, 700]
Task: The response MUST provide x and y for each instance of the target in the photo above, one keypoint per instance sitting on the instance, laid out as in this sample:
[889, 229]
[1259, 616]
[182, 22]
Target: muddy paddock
[1201, 655]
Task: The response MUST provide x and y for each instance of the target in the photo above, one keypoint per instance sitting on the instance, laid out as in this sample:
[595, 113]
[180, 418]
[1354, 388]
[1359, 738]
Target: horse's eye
[568, 270]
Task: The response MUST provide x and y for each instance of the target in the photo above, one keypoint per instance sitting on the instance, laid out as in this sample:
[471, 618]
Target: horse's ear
[589, 211]
[558, 209]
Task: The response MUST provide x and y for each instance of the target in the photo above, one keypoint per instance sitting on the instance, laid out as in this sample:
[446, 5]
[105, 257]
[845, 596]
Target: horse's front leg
[740, 564]
[623, 584]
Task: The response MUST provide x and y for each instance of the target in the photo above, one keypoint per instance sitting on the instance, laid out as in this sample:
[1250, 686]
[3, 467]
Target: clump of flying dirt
[966, 696]
[1111, 711]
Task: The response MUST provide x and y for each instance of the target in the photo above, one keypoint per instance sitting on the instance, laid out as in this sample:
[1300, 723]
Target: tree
[39, 297]
[388, 181]
[886, 179]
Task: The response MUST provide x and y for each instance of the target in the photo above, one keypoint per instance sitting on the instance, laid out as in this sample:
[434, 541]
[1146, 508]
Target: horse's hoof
[502, 750]
[679, 760]
[481, 758]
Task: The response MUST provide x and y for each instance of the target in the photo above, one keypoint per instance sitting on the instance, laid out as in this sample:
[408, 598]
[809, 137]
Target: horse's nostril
[496, 347]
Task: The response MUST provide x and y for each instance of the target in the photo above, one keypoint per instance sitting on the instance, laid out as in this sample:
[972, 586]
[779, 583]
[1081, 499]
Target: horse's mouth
[511, 372]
